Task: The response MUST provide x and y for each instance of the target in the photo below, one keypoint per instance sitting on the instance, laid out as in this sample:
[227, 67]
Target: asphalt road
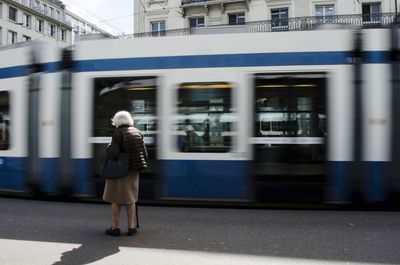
[42, 232]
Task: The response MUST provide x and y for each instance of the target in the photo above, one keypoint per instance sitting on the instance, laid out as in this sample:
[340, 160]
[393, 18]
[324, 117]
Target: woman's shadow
[97, 248]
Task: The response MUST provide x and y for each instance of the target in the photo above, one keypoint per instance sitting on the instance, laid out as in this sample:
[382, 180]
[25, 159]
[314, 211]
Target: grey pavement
[43, 232]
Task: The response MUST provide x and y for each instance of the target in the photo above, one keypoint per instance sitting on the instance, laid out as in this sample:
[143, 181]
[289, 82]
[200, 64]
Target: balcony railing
[173, 32]
[382, 20]
[309, 23]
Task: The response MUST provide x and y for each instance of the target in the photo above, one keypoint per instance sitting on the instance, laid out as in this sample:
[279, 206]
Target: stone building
[26, 20]
[158, 16]
[45, 20]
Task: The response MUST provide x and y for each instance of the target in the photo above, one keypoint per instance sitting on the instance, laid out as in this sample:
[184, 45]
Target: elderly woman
[124, 191]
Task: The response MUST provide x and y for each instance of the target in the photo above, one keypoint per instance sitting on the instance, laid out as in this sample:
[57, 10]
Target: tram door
[290, 127]
[136, 95]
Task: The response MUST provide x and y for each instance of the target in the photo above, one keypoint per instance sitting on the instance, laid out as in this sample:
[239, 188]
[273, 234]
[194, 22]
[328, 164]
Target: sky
[117, 16]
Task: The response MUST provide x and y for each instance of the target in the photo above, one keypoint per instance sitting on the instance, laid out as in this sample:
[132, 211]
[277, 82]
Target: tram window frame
[185, 127]
[139, 107]
[5, 106]
[290, 105]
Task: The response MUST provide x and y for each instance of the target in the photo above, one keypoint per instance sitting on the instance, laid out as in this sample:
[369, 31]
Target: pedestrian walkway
[18, 252]
[56, 233]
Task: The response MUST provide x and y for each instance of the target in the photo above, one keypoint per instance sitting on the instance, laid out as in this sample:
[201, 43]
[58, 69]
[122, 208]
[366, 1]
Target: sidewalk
[37, 232]
[15, 252]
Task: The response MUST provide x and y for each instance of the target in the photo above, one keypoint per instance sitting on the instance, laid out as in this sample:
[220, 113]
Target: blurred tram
[294, 117]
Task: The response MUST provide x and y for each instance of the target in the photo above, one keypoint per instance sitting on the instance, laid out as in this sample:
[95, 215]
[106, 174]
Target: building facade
[158, 16]
[83, 24]
[26, 20]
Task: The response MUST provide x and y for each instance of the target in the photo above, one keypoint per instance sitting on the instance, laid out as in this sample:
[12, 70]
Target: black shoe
[131, 232]
[113, 232]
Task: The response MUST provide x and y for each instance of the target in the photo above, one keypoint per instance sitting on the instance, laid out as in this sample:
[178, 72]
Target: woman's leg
[115, 215]
[130, 213]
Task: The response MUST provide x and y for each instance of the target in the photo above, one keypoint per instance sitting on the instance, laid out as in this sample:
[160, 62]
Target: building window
[26, 38]
[12, 37]
[4, 120]
[45, 9]
[196, 22]
[63, 34]
[52, 30]
[371, 13]
[51, 12]
[280, 19]
[12, 14]
[39, 25]
[204, 122]
[27, 20]
[58, 15]
[158, 28]
[324, 13]
[236, 19]
[1, 10]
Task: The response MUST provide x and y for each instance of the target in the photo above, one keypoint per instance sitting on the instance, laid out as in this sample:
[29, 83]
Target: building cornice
[158, 12]
[279, 2]
[156, 2]
[56, 2]
[206, 3]
[322, 2]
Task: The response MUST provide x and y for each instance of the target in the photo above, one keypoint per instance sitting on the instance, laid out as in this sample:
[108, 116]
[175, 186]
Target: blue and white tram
[254, 117]
[13, 90]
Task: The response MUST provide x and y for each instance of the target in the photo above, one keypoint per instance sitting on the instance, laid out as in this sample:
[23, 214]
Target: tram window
[291, 106]
[136, 95]
[205, 117]
[4, 120]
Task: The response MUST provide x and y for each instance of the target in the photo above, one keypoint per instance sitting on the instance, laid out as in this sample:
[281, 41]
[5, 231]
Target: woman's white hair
[122, 118]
